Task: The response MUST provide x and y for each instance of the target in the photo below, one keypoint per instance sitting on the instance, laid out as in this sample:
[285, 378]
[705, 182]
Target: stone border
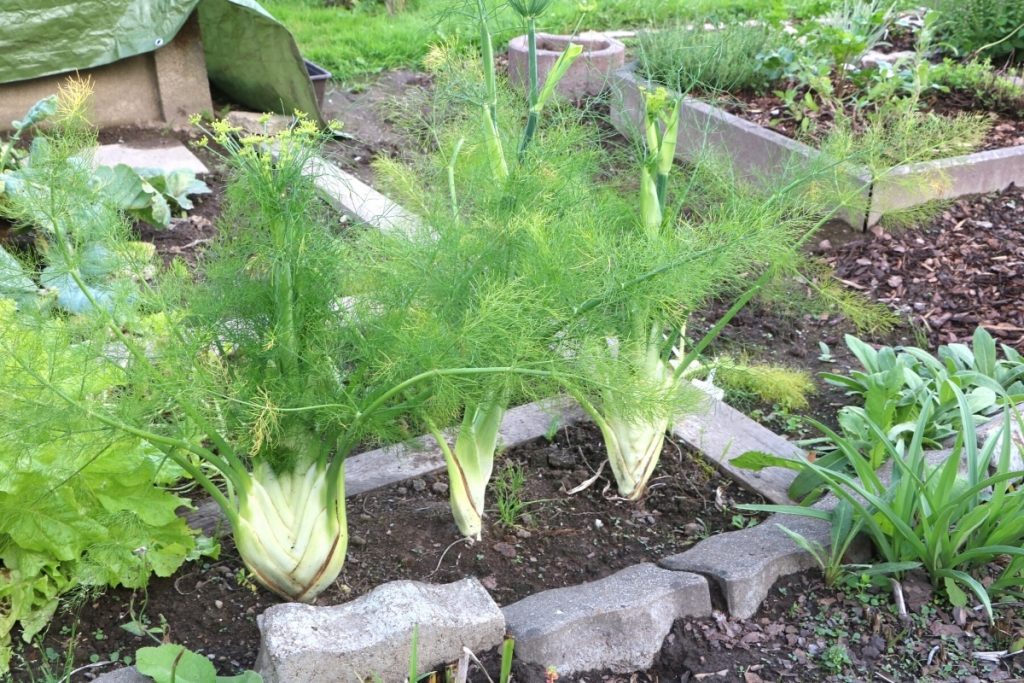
[761, 153]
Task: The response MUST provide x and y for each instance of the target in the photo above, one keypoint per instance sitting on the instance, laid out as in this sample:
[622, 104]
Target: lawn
[363, 41]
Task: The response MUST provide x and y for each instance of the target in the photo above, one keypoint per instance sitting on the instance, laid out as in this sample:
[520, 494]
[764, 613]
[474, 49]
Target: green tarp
[250, 56]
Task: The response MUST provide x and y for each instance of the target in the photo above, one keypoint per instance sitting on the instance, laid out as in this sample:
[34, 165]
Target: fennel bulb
[292, 532]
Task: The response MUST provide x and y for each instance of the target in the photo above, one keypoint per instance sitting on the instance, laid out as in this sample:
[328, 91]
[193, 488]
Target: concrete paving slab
[171, 157]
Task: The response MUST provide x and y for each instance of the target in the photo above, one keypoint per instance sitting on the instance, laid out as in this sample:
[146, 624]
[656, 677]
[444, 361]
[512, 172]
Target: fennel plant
[470, 460]
[260, 381]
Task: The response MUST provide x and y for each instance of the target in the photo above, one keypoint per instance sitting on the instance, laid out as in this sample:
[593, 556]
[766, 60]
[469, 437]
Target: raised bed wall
[758, 153]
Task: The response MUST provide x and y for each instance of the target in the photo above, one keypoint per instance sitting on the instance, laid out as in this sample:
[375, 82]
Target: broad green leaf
[174, 664]
[123, 187]
[758, 460]
[984, 347]
[40, 111]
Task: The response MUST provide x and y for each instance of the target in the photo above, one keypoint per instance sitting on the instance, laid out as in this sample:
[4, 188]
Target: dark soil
[963, 269]
[806, 631]
[769, 110]
[406, 532]
[185, 237]
[370, 115]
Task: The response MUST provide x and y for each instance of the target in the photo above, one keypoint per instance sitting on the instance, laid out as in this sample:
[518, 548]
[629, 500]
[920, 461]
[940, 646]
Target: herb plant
[733, 58]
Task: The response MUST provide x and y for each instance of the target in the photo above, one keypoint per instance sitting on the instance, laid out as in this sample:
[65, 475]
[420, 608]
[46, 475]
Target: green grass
[357, 43]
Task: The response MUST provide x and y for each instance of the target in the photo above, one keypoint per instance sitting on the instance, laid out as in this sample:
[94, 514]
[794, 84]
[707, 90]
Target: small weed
[836, 658]
[508, 493]
[743, 522]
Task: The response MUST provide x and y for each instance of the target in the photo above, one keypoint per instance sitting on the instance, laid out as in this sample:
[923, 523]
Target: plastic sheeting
[251, 57]
[43, 37]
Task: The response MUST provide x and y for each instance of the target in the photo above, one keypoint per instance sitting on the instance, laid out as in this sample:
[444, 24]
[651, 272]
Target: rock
[505, 550]
[126, 675]
[561, 459]
[874, 58]
[372, 635]
[616, 623]
[259, 124]
[419, 486]
[171, 157]
[439, 487]
[747, 563]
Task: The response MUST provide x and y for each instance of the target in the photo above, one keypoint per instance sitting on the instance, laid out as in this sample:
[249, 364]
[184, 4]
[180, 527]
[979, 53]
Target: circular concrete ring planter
[589, 75]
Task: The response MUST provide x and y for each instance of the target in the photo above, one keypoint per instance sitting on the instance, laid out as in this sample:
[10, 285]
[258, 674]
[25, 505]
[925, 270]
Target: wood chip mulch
[964, 269]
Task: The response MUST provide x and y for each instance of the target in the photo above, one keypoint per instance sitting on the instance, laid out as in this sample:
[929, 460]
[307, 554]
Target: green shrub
[726, 60]
[995, 27]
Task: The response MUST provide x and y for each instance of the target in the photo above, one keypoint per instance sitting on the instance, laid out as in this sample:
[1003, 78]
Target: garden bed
[769, 111]
[759, 152]
[555, 541]
[963, 269]
[406, 531]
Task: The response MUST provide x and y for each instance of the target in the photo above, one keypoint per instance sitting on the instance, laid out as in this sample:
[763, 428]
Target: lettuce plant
[79, 504]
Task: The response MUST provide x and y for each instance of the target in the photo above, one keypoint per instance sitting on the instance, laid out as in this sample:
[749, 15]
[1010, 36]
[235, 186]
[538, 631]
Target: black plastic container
[319, 77]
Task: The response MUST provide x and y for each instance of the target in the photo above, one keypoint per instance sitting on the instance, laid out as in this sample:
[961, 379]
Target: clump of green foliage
[993, 28]
[956, 517]
[81, 505]
[730, 59]
[979, 82]
[774, 384]
[898, 384]
[147, 194]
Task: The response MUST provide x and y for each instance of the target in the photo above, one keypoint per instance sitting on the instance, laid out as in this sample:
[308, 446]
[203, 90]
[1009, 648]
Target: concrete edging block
[372, 636]
[911, 185]
[721, 433]
[618, 622]
[758, 154]
[747, 563]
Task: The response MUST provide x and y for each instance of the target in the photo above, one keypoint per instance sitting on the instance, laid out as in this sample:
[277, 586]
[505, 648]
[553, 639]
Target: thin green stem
[158, 440]
[531, 37]
[229, 509]
[139, 355]
[452, 194]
